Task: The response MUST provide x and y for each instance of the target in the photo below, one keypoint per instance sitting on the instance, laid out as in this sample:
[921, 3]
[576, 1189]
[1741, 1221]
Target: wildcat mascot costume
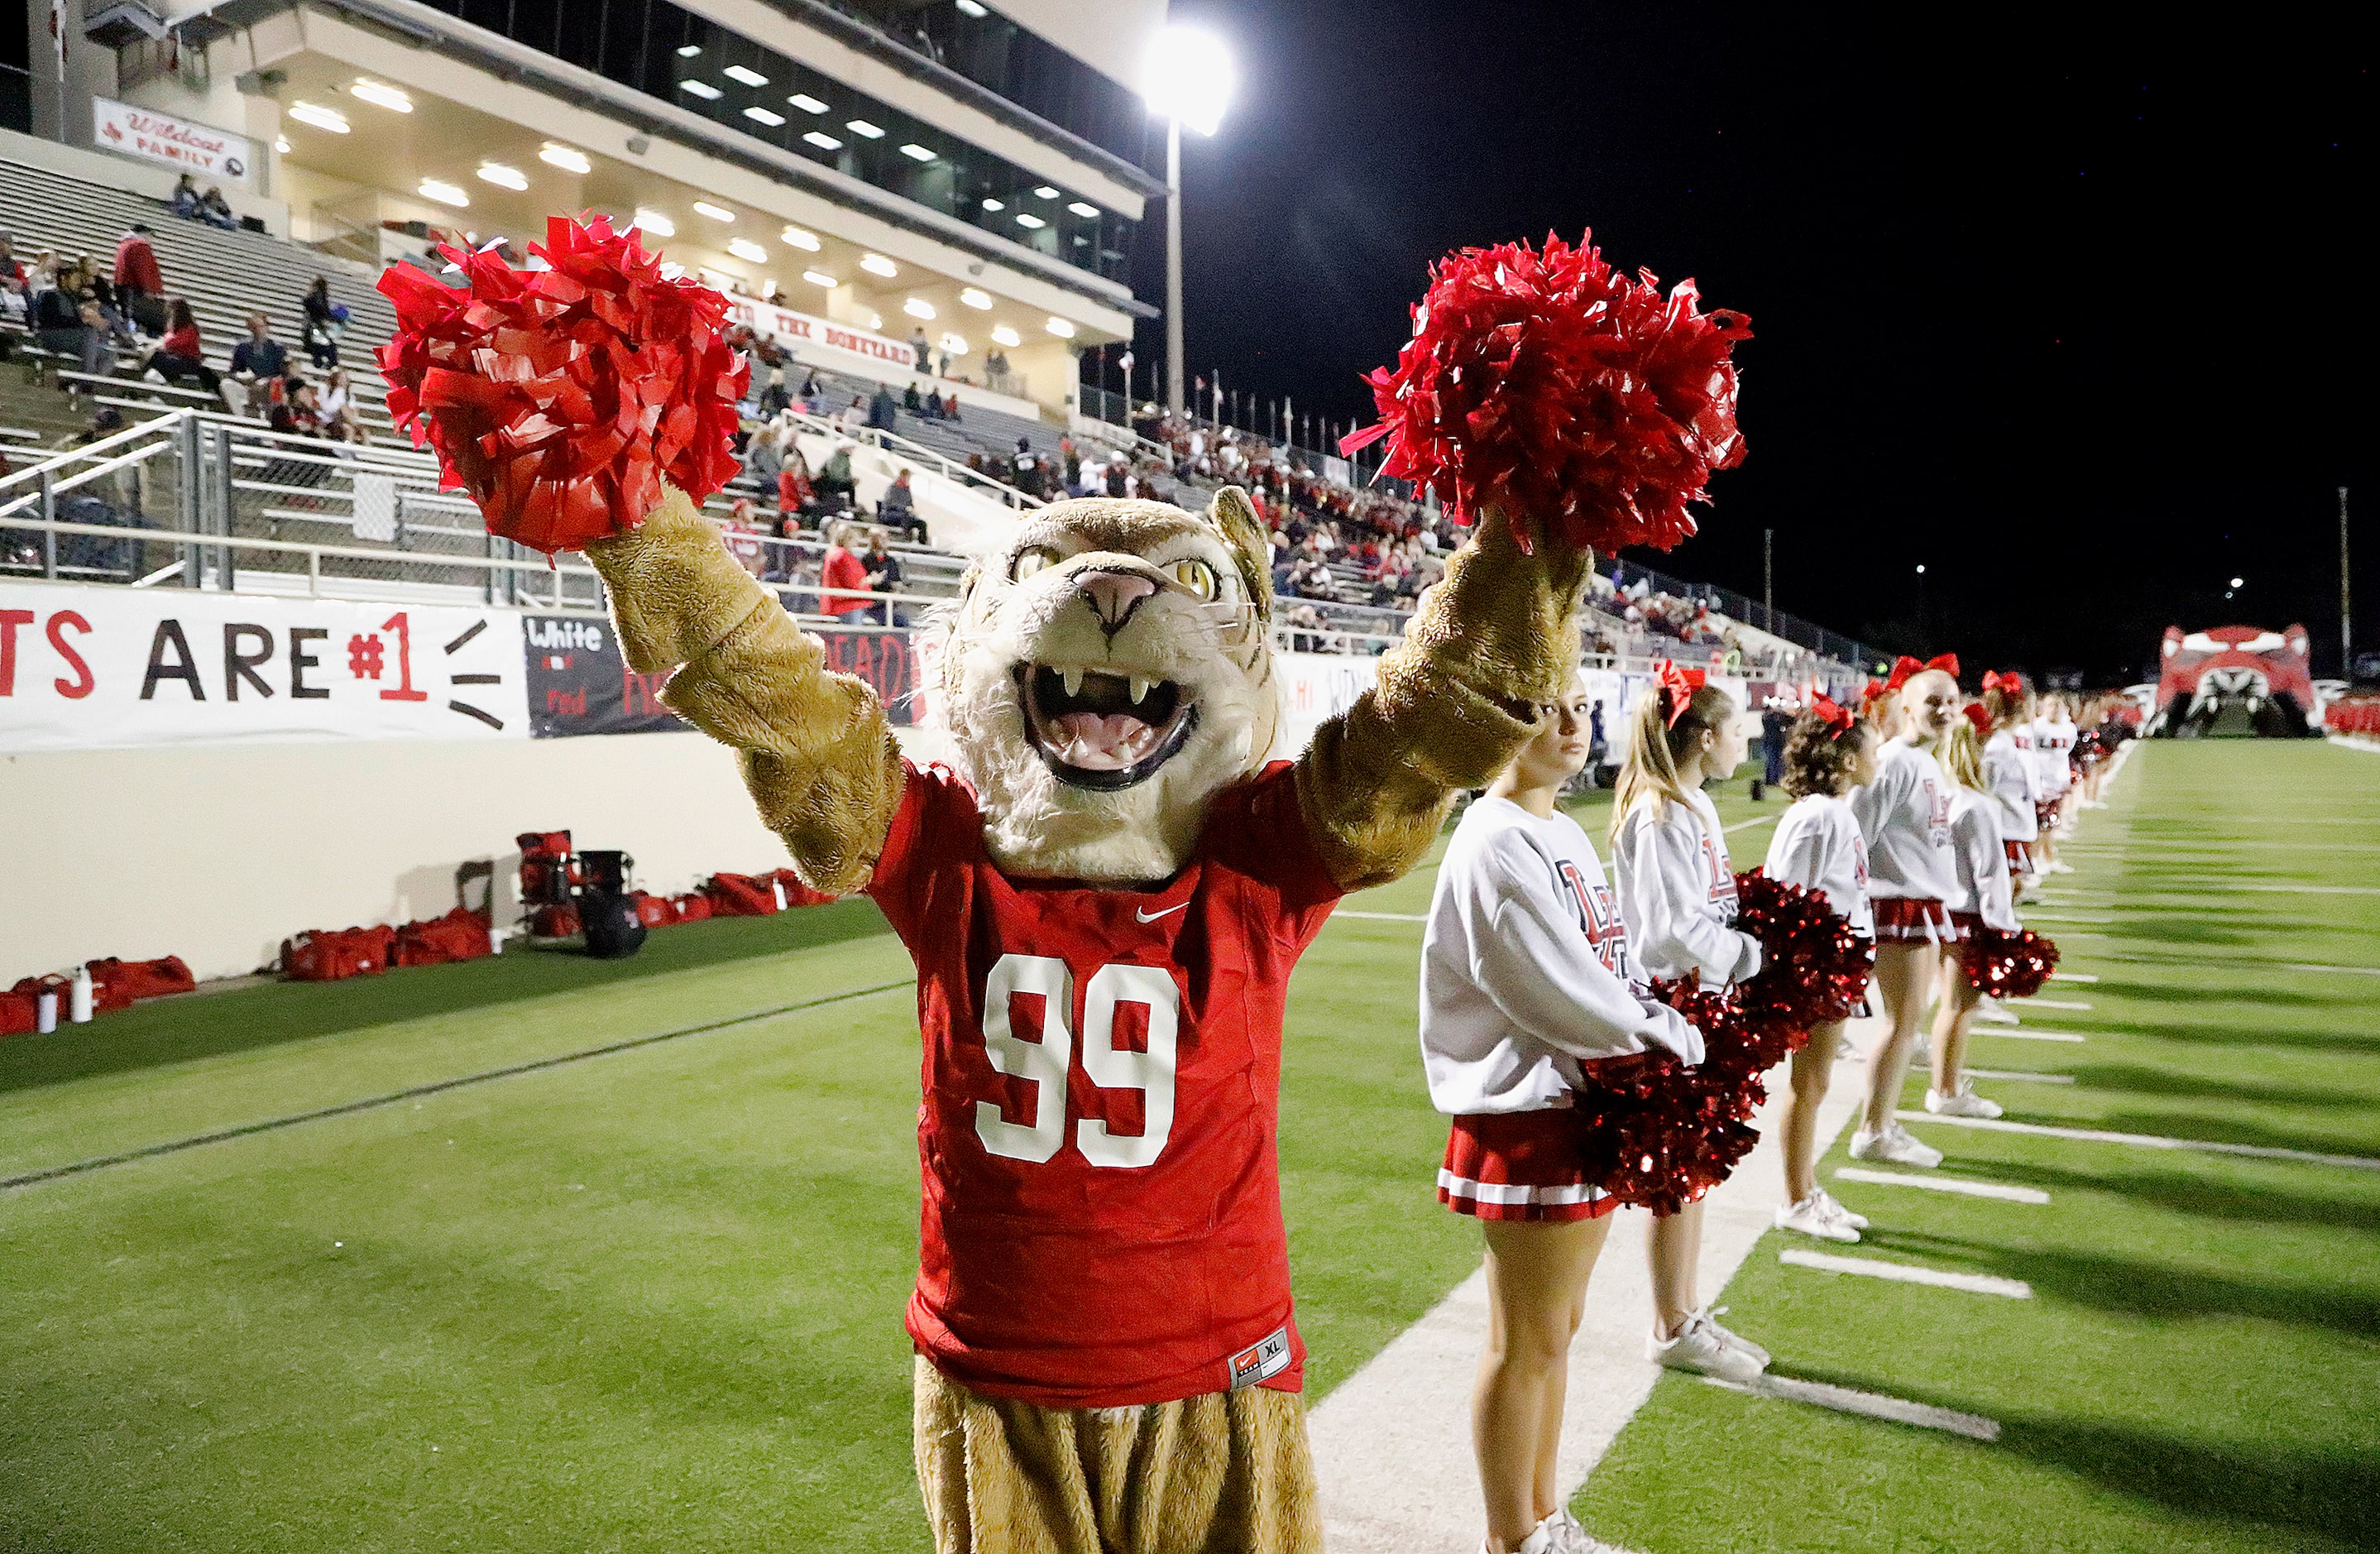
[1104, 891]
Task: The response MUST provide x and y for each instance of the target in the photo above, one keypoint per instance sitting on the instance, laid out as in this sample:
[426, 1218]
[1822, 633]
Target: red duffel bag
[653, 911]
[798, 894]
[739, 895]
[19, 1015]
[329, 955]
[139, 980]
[461, 935]
[692, 907]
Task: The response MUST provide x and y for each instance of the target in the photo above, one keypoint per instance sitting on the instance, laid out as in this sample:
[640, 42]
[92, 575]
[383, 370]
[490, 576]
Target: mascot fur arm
[817, 751]
[1489, 645]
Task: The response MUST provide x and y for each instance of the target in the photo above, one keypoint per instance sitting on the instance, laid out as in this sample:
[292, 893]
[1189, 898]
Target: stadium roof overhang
[378, 35]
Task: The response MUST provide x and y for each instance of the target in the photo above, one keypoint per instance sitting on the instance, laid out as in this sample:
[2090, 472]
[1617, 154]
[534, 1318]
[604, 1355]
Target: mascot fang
[1106, 888]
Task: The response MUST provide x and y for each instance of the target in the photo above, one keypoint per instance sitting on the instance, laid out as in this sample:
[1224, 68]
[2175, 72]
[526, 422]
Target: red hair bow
[1977, 716]
[2011, 682]
[1905, 666]
[1839, 717]
[1875, 688]
[1678, 688]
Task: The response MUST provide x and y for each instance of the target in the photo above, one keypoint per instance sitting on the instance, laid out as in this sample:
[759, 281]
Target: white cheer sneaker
[1811, 1217]
[1996, 1012]
[1834, 1206]
[1894, 1146]
[1572, 1538]
[1961, 1102]
[1700, 1344]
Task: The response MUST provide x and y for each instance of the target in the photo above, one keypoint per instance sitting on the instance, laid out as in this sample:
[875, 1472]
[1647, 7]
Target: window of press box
[667, 52]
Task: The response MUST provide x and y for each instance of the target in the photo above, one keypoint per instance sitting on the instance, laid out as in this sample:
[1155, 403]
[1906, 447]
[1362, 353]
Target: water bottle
[46, 1012]
[78, 1006]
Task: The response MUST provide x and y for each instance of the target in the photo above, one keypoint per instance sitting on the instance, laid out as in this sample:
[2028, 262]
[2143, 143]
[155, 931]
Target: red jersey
[1102, 1225]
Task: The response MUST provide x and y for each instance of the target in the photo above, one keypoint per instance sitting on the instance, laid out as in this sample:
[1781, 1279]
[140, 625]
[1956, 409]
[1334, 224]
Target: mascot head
[1105, 677]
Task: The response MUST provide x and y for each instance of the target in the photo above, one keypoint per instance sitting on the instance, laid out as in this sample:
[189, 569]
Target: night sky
[2069, 311]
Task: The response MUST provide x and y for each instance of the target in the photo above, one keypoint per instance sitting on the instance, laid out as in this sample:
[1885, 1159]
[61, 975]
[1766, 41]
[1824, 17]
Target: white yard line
[1908, 1273]
[1756, 821]
[2066, 917]
[2310, 965]
[1872, 1405]
[2013, 1034]
[2286, 890]
[2072, 977]
[2055, 1003]
[1392, 1443]
[2147, 1141]
[2348, 742]
[2022, 1076]
[1931, 1183]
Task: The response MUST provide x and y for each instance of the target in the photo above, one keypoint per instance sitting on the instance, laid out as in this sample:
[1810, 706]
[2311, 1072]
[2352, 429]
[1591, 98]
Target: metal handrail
[826, 426]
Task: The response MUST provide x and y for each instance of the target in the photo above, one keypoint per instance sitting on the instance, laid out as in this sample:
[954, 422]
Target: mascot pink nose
[1112, 594]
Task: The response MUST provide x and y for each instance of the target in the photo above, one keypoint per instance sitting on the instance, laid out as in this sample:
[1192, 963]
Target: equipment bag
[330, 955]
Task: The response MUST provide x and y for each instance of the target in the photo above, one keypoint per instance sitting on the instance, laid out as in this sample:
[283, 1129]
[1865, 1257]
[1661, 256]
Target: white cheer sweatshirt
[1817, 845]
[1980, 865]
[1677, 892]
[2013, 781]
[1526, 967]
[2053, 750]
[1905, 815]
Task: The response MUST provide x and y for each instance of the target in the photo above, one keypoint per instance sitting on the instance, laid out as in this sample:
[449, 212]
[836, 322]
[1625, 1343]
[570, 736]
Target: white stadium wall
[146, 810]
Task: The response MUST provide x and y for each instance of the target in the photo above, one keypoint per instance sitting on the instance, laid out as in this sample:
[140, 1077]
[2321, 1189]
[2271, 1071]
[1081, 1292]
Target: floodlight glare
[2239, 582]
[1187, 76]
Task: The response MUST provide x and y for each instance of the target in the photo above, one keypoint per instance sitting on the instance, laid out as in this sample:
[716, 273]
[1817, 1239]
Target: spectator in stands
[835, 483]
[899, 507]
[260, 363]
[140, 283]
[744, 534]
[912, 400]
[339, 420]
[1118, 474]
[1024, 469]
[764, 455]
[299, 411]
[811, 394]
[774, 399]
[884, 576]
[846, 579]
[884, 411]
[854, 419]
[180, 356]
[186, 199]
[1069, 462]
[215, 210]
[70, 326]
[796, 496]
[918, 343]
[323, 322]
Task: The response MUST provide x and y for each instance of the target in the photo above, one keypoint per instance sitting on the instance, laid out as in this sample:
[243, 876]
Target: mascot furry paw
[1104, 892]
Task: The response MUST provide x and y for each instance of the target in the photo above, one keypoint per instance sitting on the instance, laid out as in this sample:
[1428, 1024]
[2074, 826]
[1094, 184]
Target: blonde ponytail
[1655, 743]
[1963, 755]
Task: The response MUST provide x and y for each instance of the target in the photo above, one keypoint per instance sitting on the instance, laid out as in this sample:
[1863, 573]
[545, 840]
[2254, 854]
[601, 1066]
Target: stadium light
[716, 212]
[806, 104]
[954, 343]
[747, 251]
[554, 154]
[281, 144]
[1921, 569]
[1186, 78]
[321, 119]
[503, 176]
[1004, 336]
[383, 96]
[823, 142]
[703, 90]
[1029, 220]
[991, 204]
[862, 128]
[765, 115]
[877, 265]
[969, 8]
[655, 222]
[750, 78]
[1084, 208]
[919, 307]
[819, 278]
[794, 237]
[2239, 582]
[1061, 328]
[976, 299]
[444, 193]
[916, 153]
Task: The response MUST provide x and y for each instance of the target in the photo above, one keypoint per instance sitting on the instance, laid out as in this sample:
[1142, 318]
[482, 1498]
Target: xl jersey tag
[1262, 1360]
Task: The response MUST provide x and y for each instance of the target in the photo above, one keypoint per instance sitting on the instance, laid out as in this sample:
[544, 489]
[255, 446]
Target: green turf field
[651, 1299]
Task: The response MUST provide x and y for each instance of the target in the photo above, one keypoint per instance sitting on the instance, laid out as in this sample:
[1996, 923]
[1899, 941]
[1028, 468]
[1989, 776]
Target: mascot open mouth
[1101, 731]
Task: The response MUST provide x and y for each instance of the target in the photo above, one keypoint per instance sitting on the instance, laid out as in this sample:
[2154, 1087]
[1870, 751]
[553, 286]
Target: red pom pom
[1565, 393]
[1814, 964]
[2003, 965]
[562, 399]
[1662, 1134]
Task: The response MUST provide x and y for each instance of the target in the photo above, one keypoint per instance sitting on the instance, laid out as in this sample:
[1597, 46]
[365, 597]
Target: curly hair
[1819, 762]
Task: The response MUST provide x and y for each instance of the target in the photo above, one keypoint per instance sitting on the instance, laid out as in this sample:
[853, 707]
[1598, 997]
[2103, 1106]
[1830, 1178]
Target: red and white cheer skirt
[1901, 919]
[1520, 1165]
[2019, 858]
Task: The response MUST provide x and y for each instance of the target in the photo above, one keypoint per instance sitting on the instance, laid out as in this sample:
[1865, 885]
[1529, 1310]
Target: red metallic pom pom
[1814, 964]
[1577, 400]
[2003, 965]
[562, 399]
[1662, 1134]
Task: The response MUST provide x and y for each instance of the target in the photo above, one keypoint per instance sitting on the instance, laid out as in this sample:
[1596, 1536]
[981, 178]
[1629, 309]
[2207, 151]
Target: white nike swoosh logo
[1152, 917]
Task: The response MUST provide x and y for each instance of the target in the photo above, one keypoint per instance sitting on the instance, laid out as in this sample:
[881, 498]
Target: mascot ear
[1251, 546]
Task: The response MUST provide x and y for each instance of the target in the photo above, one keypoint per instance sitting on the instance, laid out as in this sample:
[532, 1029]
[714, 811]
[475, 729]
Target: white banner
[143, 132]
[86, 668]
[879, 350]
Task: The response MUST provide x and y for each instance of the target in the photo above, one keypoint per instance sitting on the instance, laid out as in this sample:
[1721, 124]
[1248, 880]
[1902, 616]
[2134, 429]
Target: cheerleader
[2010, 775]
[1905, 815]
[1525, 975]
[1979, 899]
[1817, 845]
[2053, 746]
[1677, 895]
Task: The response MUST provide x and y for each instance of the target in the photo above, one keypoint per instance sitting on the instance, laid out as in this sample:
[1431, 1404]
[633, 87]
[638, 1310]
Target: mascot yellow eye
[1195, 575]
[1032, 559]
